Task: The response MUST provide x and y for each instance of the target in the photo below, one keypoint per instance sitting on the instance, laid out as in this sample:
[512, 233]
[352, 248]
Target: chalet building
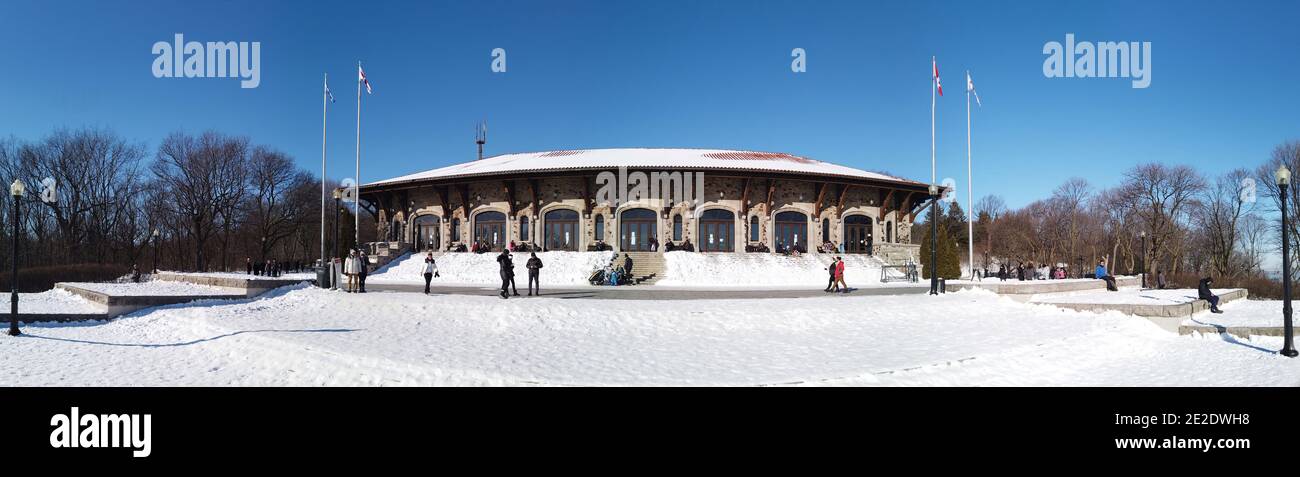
[751, 201]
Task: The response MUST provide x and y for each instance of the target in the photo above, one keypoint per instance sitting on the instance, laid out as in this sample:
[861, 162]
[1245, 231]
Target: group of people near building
[1028, 271]
[272, 267]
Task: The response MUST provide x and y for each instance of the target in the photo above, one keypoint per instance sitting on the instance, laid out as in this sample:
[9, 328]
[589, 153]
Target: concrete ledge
[1170, 317]
[121, 304]
[1238, 331]
[1034, 287]
[61, 317]
[252, 286]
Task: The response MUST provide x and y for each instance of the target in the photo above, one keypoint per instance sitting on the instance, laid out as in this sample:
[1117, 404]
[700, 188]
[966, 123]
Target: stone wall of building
[567, 193]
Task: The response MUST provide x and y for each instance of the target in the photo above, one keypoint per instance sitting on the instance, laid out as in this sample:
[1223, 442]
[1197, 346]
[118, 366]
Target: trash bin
[323, 276]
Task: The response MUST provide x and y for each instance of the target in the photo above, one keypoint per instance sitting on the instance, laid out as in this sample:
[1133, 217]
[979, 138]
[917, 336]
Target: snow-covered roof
[641, 158]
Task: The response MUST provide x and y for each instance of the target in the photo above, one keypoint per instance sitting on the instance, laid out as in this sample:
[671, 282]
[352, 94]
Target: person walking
[627, 267]
[350, 269]
[507, 267]
[1160, 279]
[363, 270]
[534, 274]
[830, 282]
[1203, 292]
[839, 275]
[430, 270]
[249, 264]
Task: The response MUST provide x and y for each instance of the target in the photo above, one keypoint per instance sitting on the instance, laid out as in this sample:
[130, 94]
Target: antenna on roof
[480, 136]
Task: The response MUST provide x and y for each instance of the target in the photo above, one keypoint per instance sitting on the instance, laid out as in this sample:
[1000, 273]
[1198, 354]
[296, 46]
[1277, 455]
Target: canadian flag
[361, 76]
[935, 63]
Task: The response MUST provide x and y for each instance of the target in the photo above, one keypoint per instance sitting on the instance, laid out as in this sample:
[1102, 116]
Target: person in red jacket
[839, 275]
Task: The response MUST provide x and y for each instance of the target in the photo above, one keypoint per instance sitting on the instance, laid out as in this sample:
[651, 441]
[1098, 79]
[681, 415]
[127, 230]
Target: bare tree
[194, 170]
[1222, 207]
[1163, 196]
[274, 207]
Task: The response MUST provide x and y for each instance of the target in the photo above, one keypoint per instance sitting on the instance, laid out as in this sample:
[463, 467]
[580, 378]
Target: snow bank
[56, 301]
[763, 269]
[304, 336]
[558, 268]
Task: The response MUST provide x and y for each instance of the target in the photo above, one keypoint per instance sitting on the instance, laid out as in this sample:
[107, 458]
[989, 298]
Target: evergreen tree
[949, 264]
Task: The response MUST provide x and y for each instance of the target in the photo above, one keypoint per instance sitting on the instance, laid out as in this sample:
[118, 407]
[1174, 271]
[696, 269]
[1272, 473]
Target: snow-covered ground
[54, 301]
[763, 269]
[558, 268]
[156, 288]
[306, 336]
[1125, 296]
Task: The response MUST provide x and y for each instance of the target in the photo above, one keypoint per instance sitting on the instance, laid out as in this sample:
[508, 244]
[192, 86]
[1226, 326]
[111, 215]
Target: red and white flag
[361, 76]
[936, 75]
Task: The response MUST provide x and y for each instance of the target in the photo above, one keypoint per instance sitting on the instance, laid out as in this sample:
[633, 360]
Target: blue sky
[706, 74]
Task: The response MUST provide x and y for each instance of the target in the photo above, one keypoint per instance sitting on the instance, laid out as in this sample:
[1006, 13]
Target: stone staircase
[647, 267]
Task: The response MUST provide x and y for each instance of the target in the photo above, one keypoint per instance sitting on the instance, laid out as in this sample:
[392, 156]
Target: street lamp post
[1283, 183]
[155, 250]
[1144, 258]
[17, 191]
[934, 239]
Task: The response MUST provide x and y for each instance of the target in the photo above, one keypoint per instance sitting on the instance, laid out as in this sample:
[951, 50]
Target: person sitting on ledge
[1203, 292]
[687, 246]
[669, 246]
[1102, 275]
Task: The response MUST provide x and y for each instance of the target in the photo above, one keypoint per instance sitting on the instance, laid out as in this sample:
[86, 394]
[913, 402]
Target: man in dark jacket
[534, 272]
[1203, 292]
[627, 265]
[363, 271]
[831, 284]
[507, 272]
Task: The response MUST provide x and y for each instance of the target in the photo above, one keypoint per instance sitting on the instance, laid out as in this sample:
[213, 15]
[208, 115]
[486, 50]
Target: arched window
[635, 228]
[717, 231]
[600, 227]
[426, 232]
[857, 234]
[753, 228]
[561, 228]
[490, 227]
[523, 228]
[826, 230]
[677, 228]
[791, 231]
[889, 232]
[455, 229]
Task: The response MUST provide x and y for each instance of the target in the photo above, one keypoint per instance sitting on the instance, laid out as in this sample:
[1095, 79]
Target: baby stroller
[597, 277]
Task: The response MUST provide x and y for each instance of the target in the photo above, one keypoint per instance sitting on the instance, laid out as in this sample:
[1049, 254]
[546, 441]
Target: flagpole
[934, 65]
[356, 181]
[324, 114]
[970, 193]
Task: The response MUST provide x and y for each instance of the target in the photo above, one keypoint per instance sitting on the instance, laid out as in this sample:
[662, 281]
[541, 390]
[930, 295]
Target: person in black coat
[831, 269]
[1203, 292]
[507, 272]
[534, 274]
[363, 271]
[627, 265]
[250, 264]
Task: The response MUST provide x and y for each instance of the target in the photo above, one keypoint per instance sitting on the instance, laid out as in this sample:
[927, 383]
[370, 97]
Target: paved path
[647, 292]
